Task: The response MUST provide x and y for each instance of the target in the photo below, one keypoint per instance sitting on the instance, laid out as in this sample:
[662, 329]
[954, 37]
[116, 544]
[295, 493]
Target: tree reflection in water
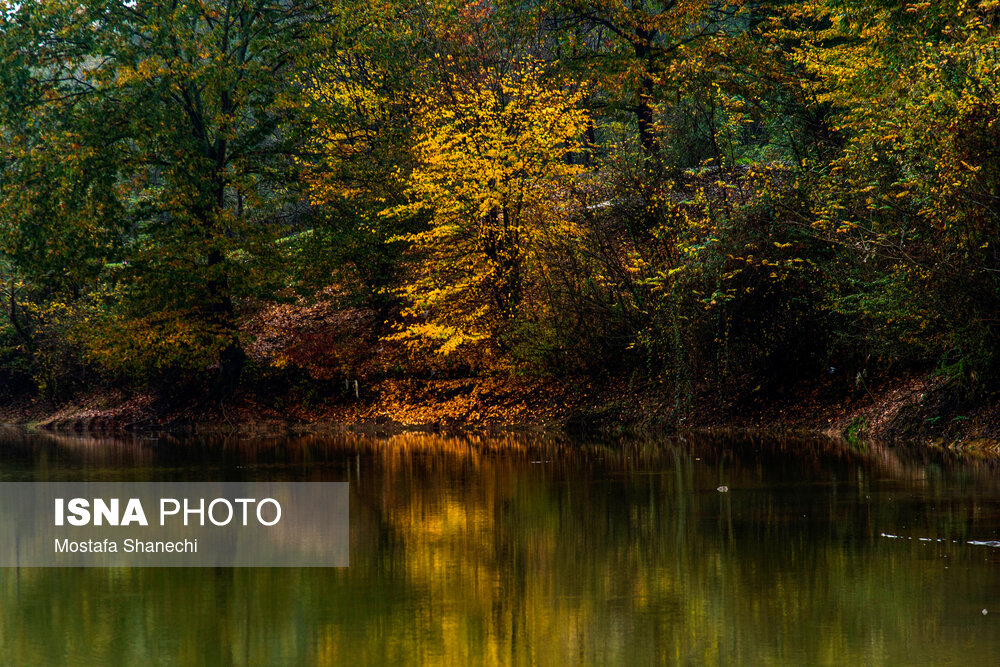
[528, 549]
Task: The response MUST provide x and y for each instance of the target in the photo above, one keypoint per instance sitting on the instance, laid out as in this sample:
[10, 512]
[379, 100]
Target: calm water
[521, 550]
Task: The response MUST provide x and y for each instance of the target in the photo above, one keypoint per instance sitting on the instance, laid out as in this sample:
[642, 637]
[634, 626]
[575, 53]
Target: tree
[174, 113]
[639, 52]
[492, 175]
[913, 195]
[360, 90]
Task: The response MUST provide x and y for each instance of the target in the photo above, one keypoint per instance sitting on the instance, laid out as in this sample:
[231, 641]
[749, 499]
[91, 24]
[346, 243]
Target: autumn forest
[692, 198]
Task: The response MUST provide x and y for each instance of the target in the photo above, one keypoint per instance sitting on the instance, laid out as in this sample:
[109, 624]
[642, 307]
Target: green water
[526, 550]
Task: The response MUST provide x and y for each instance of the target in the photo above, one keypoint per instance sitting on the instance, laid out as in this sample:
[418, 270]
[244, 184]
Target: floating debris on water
[976, 543]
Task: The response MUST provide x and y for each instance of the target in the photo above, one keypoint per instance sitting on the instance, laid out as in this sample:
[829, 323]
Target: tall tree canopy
[145, 140]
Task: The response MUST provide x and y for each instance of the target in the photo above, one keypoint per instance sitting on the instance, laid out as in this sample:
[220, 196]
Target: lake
[544, 550]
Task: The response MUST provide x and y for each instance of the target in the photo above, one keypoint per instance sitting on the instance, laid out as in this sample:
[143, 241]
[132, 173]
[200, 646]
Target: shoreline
[912, 409]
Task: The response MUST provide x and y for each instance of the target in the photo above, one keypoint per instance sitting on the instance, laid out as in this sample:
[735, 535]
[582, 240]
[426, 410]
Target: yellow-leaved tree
[495, 176]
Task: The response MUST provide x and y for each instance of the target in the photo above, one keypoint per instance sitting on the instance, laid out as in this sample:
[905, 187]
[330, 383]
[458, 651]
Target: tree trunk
[221, 312]
[227, 378]
[644, 105]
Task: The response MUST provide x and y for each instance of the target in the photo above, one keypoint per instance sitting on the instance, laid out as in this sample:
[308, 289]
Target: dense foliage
[702, 194]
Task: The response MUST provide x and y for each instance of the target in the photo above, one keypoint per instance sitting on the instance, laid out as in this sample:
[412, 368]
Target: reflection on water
[527, 550]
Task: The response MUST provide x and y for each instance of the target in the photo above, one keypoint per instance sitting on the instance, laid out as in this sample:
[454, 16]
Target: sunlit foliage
[493, 175]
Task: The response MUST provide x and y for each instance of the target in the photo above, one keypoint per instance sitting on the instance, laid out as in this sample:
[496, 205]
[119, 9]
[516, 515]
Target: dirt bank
[319, 366]
[914, 409]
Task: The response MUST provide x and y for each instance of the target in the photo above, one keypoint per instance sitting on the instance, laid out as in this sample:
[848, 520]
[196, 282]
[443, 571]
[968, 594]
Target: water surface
[545, 551]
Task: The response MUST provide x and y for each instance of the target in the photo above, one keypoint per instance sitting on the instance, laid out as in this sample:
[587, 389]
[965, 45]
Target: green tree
[159, 126]
[360, 90]
[640, 53]
[912, 196]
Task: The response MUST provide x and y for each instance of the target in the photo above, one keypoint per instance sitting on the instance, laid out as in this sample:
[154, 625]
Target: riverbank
[915, 408]
[318, 366]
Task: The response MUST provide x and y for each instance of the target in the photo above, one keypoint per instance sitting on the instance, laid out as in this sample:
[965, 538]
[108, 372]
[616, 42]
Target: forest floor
[327, 369]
